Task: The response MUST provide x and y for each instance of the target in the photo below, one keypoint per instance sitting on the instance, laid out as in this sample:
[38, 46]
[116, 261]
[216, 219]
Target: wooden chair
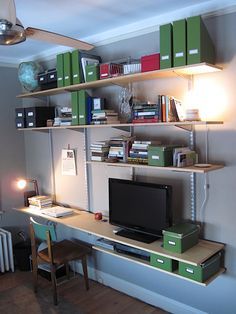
[56, 254]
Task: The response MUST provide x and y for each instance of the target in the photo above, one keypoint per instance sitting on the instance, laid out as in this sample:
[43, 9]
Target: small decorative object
[98, 216]
[28, 75]
[125, 100]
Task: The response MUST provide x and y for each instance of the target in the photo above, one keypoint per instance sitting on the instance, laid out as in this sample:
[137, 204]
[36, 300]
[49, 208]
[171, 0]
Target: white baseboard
[140, 293]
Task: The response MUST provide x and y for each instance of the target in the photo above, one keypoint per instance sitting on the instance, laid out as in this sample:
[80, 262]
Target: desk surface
[84, 221]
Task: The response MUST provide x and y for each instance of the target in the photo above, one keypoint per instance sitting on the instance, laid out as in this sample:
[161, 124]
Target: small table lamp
[21, 184]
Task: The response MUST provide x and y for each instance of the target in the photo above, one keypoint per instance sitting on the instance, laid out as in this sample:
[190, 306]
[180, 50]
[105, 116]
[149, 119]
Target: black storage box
[48, 79]
[20, 112]
[38, 116]
[20, 123]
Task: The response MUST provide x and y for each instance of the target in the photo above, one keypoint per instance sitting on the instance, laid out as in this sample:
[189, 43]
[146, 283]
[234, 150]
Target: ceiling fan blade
[39, 34]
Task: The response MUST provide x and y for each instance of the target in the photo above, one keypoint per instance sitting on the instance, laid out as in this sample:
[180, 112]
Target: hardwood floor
[99, 299]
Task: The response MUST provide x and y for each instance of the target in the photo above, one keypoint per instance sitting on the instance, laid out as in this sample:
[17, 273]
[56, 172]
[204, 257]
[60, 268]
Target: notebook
[57, 211]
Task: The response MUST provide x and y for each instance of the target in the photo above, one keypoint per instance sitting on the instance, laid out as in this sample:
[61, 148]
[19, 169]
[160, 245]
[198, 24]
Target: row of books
[104, 116]
[115, 149]
[167, 109]
[126, 149]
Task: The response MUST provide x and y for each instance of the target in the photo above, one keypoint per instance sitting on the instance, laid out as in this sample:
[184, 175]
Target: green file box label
[165, 57]
[179, 54]
[193, 51]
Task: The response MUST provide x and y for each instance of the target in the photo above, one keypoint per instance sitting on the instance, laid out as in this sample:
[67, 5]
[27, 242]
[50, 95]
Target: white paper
[68, 162]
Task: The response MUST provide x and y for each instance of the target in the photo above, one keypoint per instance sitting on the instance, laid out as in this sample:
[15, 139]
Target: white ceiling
[99, 21]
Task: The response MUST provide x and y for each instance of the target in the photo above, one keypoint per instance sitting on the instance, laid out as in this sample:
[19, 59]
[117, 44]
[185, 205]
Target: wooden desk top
[84, 221]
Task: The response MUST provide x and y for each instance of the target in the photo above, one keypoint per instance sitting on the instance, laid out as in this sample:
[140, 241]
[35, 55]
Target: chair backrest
[41, 230]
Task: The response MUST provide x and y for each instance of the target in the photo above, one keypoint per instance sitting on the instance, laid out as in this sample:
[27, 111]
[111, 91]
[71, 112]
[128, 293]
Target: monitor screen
[139, 206]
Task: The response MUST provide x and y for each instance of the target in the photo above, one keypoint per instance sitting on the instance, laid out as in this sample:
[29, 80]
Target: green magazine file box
[67, 69]
[75, 107]
[82, 107]
[92, 72]
[199, 44]
[60, 70]
[179, 43]
[201, 272]
[181, 237]
[166, 43]
[76, 67]
[163, 262]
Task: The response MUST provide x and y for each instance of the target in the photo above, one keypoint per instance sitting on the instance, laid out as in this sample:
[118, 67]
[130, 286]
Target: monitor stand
[138, 236]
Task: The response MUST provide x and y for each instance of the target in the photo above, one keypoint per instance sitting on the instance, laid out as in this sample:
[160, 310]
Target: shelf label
[160, 261]
[189, 270]
[193, 51]
[179, 54]
[165, 57]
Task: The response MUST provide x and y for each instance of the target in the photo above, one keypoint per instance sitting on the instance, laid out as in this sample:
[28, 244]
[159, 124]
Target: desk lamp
[21, 184]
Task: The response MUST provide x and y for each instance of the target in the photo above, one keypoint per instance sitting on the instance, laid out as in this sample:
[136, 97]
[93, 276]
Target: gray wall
[217, 92]
[12, 161]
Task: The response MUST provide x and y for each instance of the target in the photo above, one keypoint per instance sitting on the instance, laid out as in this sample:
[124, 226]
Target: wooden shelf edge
[120, 125]
[146, 264]
[192, 69]
[174, 169]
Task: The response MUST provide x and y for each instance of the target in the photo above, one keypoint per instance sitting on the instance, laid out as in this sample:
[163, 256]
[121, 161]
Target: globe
[27, 74]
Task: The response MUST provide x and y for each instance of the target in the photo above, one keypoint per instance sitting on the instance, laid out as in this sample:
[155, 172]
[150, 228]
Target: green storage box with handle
[181, 237]
[163, 262]
[160, 156]
[202, 272]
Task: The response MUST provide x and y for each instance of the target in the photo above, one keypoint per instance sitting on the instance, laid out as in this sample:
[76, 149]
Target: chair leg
[35, 276]
[85, 270]
[54, 284]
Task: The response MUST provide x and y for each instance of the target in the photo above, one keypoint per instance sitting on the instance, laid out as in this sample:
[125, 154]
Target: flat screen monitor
[141, 209]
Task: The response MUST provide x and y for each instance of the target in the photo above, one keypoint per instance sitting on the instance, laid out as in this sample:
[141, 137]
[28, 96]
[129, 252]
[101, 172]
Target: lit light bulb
[21, 184]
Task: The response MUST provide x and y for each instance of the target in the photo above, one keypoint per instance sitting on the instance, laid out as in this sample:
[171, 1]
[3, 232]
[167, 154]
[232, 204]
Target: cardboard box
[160, 156]
[181, 237]
[163, 262]
[150, 62]
[201, 272]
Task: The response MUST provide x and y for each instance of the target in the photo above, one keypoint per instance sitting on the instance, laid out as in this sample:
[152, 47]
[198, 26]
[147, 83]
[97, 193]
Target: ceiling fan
[12, 31]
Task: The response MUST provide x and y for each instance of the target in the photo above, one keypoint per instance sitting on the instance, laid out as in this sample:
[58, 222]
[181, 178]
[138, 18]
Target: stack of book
[99, 150]
[104, 116]
[64, 117]
[139, 151]
[119, 148]
[170, 109]
[146, 113]
[40, 201]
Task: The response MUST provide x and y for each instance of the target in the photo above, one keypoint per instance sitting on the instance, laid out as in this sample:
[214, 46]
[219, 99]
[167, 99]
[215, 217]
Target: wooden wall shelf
[188, 70]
